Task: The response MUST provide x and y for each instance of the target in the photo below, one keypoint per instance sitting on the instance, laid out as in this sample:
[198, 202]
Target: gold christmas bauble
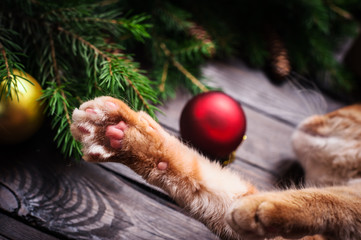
[20, 117]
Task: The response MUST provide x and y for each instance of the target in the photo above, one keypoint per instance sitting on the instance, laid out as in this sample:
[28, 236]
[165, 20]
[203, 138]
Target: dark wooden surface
[43, 196]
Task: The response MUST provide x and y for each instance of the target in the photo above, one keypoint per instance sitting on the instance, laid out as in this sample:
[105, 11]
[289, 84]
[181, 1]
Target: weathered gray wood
[13, 229]
[288, 102]
[268, 141]
[3, 237]
[84, 201]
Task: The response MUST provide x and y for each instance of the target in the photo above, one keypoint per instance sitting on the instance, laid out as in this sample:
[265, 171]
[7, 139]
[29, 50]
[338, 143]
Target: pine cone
[279, 61]
[198, 32]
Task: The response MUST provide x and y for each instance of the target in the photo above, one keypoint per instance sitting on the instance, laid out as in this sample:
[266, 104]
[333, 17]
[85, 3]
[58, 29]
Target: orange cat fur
[225, 202]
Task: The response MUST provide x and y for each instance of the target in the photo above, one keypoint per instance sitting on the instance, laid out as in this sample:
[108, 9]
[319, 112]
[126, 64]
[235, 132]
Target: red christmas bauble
[214, 123]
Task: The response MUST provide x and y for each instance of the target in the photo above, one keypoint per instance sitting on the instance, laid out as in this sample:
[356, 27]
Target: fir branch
[3, 52]
[8, 62]
[131, 73]
[79, 17]
[96, 50]
[342, 12]
[164, 76]
[174, 18]
[145, 103]
[10, 82]
[134, 21]
[94, 19]
[57, 75]
[109, 59]
[193, 50]
[199, 33]
[180, 67]
[82, 40]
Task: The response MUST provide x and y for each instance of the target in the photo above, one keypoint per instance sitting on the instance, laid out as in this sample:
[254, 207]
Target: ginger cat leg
[333, 212]
[110, 131]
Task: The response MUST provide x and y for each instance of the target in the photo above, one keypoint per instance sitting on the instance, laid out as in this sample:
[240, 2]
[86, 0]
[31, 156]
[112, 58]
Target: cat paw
[266, 216]
[110, 131]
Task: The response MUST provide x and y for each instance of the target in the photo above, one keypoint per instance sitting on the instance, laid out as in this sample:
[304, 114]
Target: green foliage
[78, 50]
[81, 49]
[10, 52]
[311, 31]
[70, 47]
[178, 30]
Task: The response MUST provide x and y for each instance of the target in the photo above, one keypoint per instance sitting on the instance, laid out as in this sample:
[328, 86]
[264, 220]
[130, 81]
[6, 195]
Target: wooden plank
[262, 179]
[3, 237]
[268, 141]
[13, 229]
[251, 87]
[84, 201]
[172, 109]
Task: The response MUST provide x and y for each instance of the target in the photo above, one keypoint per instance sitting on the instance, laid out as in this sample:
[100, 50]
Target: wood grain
[13, 229]
[84, 201]
[3, 237]
[290, 102]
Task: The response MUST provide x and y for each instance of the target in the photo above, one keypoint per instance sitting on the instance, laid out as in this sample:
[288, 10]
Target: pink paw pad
[115, 133]
[162, 165]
